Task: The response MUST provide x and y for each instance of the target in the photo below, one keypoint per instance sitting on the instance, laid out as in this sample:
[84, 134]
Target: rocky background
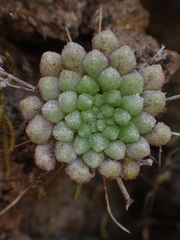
[46, 207]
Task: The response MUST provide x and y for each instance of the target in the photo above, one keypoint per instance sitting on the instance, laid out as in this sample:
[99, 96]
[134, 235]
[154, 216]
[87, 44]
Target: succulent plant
[96, 110]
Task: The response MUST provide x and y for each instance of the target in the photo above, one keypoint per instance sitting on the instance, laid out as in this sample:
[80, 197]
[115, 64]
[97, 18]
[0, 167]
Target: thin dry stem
[154, 57]
[157, 54]
[173, 97]
[160, 157]
[168, 160]
[146, 162]
[7, 78]
[125, 193]
[16, 200]
[109, 209]
[176, 134]
[147, 210]
[154, 159]
[22, 143]
[149, 202]
[100, 19]
[68, 34]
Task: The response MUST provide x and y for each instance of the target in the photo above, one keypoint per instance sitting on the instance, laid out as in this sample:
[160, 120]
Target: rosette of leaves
[96, 111]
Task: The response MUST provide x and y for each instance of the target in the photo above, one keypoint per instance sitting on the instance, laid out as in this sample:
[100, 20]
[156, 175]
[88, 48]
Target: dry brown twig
[123, 189]
[157, 54]
[69, 39]
[160, 157]
[109, 209]
[100, 19]
[173, 97]
[146, 162]
[7, 78]
[15, 201]
[168, 159]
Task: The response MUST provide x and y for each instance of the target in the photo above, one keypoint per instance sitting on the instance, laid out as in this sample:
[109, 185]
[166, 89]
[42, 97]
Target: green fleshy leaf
[84, 101]
[94, 63]
[81, 145]
[62, 132]
[131, 84]
[109, 79]
[93, 159]
[84, 130]
[68, 81]
[129, 133]
[113, 98]
[73, 119]
[107, 110]
[67, 101]
[88, 85]
[98, 142]
[111, 132]
[133, 104]
[121, 116]
[116, 150]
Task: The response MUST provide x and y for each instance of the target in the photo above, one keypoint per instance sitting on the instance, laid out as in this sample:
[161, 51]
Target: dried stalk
[125, 194]
[16, 200]
[7, 78]
[109, 209]
[173, 97]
